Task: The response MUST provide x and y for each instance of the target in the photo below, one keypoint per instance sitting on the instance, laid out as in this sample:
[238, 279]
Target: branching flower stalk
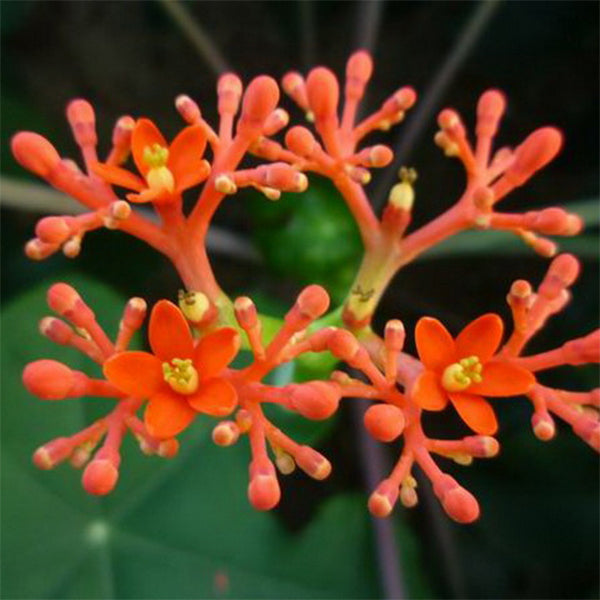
[193, 344]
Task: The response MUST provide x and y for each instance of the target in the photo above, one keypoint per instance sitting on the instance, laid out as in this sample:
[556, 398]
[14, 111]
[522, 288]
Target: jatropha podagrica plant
[192, 345]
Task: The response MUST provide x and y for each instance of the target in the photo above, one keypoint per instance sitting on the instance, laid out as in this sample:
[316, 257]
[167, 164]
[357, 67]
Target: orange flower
[464, 370]
[166, 170]
[180, 378]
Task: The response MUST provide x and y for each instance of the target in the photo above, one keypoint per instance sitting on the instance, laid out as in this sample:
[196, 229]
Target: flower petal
[215, 351]
[117, 176]
[428, 393]
[476, 412]
[185, 157]
[136, 373]
[434, 344]
[215, 397]
[145, 133]
[503, 379]
[169, 332]
[480, 338]
[167, 414]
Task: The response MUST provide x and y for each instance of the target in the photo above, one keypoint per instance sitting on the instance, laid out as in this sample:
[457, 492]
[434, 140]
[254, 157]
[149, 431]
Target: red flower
[180, 378]
[166, 170]
[464, 370]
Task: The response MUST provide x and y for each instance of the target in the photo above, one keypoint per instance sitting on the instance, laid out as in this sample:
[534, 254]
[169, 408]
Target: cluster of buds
[53, 380]
[193, 345]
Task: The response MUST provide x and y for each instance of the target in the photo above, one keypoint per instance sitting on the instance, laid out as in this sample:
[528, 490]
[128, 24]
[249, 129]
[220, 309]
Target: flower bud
[314, 399]
[533, 154]
[188, 109]
[313, 463]
[53, 230]
[34, 152]
[313, 302]
[384, 422]
[168, 448]
[100, 477]
[229, 92]
[383, 499]
[226, 433]
[543, 426]
[64, 300]
[260, 100]
[263, 491]
[458, 503]
[49, 379]
[49, 455]
[82, 119]
[482, 446]
[300, 141]
[490, 108]
[359, 69]
[323, 94]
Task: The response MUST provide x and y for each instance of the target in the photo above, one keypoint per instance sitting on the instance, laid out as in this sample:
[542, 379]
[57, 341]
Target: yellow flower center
[460, 375]
[159, 177]
[181, 375]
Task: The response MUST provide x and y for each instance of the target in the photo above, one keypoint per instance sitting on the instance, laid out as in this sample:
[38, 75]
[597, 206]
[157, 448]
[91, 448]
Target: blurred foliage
[320, 229]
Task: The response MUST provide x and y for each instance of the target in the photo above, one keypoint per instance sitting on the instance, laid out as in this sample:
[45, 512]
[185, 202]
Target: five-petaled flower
[463, 370]
[167, 170]
[181, 377]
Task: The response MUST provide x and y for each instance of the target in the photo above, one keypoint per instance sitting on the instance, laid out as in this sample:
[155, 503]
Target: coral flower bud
[300, 141]
[49, 379]
[34, 152]
[383, 499]
[263, 491]
[458, 503]
[282, 177]
[82, 119]
[260, 100]
[50, 454]
[344, 345]
[315, 399]
[543, 426]
[188, 109]
[533, 154]
[384, 422]
[100, 477]
[358, 72]
[168, 448]
[482, 446]
[245, 312]
[56, 330]
[394, 335]
[64, 300]
[35, 249]
[229, 91]
[226, 433]
[490, 109]
[313, 301]
[53, 230]
[313, 463]
[323, 94]
[243, 418]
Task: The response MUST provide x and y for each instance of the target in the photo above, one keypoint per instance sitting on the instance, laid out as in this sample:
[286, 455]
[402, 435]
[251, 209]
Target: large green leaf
[179, 529]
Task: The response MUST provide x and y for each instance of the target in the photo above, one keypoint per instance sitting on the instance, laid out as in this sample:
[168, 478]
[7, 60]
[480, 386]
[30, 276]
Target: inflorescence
[189, 369]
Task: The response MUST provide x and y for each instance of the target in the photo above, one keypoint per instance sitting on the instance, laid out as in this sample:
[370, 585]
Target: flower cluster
[191, 367]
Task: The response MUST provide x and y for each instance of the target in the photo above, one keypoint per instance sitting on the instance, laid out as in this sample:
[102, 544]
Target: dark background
[538, 536]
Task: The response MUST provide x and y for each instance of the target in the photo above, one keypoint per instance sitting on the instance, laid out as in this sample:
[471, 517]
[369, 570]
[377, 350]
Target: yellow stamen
[460, 375]
[181, 375]
[159, 177]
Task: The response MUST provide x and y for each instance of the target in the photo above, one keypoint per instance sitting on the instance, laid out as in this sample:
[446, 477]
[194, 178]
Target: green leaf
[310, 237]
